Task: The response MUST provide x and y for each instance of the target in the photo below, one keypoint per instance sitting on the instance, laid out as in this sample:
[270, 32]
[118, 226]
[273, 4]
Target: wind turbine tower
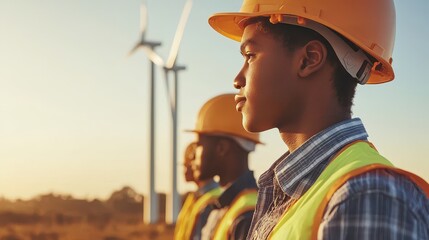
[173, 204]
[151, 200]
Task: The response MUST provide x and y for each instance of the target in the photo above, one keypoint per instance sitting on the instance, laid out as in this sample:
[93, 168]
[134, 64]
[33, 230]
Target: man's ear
[222, 147]
[313, 58]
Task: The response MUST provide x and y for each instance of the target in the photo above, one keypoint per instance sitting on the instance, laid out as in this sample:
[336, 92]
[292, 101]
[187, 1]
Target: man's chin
[251, 126]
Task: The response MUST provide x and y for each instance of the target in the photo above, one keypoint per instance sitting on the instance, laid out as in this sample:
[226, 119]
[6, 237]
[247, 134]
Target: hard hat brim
[213, 133]
[228, 24]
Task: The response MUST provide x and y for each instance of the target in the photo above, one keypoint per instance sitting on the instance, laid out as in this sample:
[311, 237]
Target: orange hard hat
[219, 117]
[368, 24]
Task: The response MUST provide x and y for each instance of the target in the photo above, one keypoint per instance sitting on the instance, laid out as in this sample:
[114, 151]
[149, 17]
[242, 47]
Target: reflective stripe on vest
[302, 220]
[191, 216]
[244, 202]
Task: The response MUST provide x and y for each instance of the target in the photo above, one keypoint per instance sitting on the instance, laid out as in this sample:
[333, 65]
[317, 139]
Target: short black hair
[296, 36]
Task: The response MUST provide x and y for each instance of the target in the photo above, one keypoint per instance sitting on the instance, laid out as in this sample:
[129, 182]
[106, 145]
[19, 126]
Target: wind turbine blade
[134, 49]
[170, 98]
[153, 56]
[143, 18]
[178, 36]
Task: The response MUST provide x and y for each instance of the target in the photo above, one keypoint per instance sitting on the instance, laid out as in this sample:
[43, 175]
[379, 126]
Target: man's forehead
[199, 137]
[247, 42]
[203, 136]
[250, 35]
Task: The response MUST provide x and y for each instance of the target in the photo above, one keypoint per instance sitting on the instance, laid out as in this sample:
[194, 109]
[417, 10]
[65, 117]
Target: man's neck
[203, 183]
[231, 174]
[297, 135]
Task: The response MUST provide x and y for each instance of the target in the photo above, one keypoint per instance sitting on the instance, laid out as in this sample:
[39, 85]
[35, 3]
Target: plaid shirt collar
[295, 172]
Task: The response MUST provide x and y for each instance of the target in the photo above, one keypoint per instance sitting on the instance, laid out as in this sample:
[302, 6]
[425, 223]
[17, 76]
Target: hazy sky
[74, 109]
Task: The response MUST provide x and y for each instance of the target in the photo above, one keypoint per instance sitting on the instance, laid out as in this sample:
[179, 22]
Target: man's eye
[248, 56]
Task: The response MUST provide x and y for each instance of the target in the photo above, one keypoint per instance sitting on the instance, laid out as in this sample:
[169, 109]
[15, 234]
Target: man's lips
[239, 102]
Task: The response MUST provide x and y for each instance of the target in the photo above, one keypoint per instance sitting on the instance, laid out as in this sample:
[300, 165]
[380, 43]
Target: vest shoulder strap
[198, 206]
[423, 185]
[304, 217]
[181, 223]
[244, 202]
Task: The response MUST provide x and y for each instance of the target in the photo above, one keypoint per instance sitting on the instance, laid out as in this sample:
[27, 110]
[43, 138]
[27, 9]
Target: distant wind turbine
[151, 201]
[173, 206]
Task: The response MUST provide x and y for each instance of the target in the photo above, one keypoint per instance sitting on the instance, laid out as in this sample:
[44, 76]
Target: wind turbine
[173, 206]
[151, 201]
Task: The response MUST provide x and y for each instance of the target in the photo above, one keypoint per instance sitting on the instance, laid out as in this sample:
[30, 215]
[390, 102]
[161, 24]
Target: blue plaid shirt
[376, 205]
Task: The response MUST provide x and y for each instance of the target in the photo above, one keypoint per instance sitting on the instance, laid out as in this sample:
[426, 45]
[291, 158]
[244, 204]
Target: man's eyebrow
[245, 43]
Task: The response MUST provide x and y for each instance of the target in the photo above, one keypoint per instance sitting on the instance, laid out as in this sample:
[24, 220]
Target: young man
[302, 62]
[222, 150]
[194, 213]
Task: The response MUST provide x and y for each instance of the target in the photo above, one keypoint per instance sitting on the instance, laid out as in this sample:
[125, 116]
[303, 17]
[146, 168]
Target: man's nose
[239, 80]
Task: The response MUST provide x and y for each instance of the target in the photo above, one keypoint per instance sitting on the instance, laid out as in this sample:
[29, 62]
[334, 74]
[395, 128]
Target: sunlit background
[74, 109]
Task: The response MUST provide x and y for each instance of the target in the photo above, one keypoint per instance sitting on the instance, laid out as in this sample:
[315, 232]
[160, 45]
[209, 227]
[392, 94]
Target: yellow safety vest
[181, 222]
[302, 219]
[244, 202]
[190, 212]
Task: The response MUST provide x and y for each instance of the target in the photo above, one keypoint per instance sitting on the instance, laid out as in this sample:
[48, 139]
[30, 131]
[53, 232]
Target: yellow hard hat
[219, 117]
[367, 23]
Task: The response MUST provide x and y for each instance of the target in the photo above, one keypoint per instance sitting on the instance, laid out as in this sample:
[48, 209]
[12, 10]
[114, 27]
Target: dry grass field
[86, 232]
[58, 217]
